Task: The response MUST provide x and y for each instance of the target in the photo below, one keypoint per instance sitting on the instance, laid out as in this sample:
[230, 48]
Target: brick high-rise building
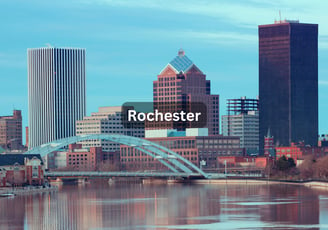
[11, 131]
[182, 82]
[288, 82]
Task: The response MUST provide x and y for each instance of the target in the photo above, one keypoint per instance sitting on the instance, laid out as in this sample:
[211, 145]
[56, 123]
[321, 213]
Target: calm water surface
[136, 206]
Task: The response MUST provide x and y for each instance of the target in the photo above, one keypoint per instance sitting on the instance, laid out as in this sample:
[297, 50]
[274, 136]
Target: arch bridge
[173, 161]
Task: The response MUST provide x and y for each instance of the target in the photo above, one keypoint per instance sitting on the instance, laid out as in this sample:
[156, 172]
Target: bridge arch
[167, 157]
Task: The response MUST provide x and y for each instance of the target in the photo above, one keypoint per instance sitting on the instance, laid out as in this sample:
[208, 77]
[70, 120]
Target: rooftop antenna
[279, 16]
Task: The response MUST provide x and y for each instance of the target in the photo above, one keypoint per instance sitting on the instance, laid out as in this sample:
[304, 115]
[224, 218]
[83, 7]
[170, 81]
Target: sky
[129, 42]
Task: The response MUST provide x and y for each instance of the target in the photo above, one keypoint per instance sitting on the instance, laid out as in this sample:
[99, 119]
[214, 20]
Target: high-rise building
[108, 120]
[181, 82]
[288, 82]
[11, 131]
[243, 121]
[56, 93]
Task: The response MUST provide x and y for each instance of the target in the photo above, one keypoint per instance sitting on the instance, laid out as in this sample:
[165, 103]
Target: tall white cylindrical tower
[56, 93]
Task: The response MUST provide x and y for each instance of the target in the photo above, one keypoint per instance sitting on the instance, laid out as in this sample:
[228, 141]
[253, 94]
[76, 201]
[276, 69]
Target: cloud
[246, 14]
[214, 37]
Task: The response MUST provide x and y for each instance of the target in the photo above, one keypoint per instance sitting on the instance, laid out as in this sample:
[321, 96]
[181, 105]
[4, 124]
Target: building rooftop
[286, 21]
[110, 109]
[11, 159]
[181, 63]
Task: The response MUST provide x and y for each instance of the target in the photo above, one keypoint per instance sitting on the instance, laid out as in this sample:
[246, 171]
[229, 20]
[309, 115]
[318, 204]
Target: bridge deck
[119, 174]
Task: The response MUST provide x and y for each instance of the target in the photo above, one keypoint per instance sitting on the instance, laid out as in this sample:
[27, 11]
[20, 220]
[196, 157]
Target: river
[177, 206]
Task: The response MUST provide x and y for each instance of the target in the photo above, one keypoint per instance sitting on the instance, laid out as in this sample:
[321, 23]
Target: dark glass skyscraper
[288, 82]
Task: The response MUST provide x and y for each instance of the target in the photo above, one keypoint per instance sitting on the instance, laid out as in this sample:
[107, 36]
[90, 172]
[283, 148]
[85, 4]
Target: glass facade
[288, 82]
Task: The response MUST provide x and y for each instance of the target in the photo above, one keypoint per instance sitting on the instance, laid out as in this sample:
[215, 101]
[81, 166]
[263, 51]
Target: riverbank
[313, 184]
[28, 190]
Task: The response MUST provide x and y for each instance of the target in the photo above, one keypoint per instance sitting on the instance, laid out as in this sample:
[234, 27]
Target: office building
[11, 131]
[179, 84]
[288, 82]
[243, 121]
[56, 93]
[108, 120]
[193, 147]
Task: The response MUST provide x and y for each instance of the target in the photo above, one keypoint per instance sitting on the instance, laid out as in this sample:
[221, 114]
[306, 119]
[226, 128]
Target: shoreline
[27, 190]
[311, 184]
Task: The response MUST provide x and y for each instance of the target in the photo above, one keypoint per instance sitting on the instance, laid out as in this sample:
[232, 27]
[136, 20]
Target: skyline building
[198, 148]
[108, 120]
[243, 121]
[56, 93]
[11, 131]
[180, 84]
[288, 82]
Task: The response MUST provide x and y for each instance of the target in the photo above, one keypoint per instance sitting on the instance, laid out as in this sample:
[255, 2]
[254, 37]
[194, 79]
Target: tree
[307, 167]
[321, 168]
[286, 167]
[291, 163]
[283, 164]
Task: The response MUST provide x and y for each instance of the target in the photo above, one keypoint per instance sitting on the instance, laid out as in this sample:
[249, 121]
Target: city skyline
[127, 42]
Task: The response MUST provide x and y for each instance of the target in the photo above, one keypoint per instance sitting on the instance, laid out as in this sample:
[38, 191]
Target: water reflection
[135, 206]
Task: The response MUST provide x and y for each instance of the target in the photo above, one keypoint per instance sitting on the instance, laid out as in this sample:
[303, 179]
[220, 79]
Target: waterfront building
[11, 131]
[19, 169]
[56, 93]
[243, 121]
[298, 151]
[81, 159]
[288, 82]
[240, 163]
[196, 149]
[292, 151]
[55, 160]
[77, 158]
[178, 85]
[108, 120]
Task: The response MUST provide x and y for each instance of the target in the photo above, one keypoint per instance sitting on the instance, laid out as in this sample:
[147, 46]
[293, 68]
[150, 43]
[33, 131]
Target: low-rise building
[78, 158]
[81, 159]
[11, 131]
[243, 161]
[21, 169]
[196, 149]
[292, 151]
[298, 151]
